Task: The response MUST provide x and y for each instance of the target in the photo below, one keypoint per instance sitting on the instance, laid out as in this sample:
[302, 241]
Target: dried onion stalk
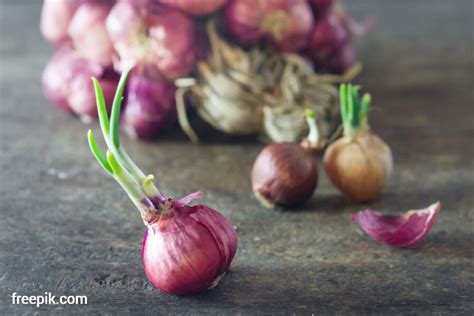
[259, 91]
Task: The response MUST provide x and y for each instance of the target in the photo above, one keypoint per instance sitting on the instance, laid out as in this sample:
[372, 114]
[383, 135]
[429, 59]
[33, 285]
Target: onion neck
[140, 188]
[354, 109]
[312, 141]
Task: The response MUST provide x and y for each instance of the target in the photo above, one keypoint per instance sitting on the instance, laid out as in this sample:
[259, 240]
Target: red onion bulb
[55, 18]
[329, 45]
[195, 7]
[149, 107]
[66, 83]
[89, 35]
[287, 23]
[156, 37]
[186, 249]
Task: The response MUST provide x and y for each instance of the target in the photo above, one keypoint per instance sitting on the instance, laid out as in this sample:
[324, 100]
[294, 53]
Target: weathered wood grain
[66, 228]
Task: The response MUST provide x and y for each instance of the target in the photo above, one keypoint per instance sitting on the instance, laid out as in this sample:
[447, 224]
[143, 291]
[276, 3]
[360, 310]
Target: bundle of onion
[259, 91]
[359, 163]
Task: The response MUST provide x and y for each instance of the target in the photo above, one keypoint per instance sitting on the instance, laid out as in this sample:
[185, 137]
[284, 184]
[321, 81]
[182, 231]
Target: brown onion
[360, 163]
[286, 174]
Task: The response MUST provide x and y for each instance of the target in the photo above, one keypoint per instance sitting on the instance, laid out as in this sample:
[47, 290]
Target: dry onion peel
[258, 91]
[404, 230]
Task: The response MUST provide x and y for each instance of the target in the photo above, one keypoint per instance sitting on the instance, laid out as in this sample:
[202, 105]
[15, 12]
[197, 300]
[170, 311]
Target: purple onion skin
[195, 7]
[149, 106]
[249, 21]
[148, 34]
[321, 7]
[403, 230]
[188, 248]
[67, 83]
[330, 47]
[55, 19]
[242, 19]
[89, 34]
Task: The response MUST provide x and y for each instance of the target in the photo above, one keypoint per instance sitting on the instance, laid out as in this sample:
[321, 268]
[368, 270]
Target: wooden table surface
[68, 229]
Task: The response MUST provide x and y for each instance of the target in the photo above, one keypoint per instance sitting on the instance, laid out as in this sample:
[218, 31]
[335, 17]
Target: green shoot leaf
[115, 116]
[101, 108]
[98, 154]
[310, 114]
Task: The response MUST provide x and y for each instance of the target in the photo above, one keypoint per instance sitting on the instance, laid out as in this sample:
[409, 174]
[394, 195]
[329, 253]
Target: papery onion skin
[287, 23]
[359, 165]
[66, 83]
[196, 7]
[149, 107]
[159, 37]
[188, 249]
[89, 34]
[284, 174]
[55, 19]
[404, 230]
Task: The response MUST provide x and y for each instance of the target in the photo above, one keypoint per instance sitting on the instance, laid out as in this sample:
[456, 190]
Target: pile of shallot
[164, 39]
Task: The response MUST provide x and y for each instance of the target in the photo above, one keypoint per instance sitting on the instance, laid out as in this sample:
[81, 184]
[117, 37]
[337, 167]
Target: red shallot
[404, 230]
[149, 106]
[195, 7]
[153, 36]
[186, 249]
[89, 35]
[287, 23]
[66, 83]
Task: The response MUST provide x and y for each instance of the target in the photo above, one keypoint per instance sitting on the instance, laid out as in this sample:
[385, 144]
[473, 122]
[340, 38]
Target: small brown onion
[286, 174]
[359, 163]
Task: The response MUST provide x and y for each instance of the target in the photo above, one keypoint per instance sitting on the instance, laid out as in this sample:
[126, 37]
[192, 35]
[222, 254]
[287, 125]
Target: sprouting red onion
[149, 107]
[55, 18]
[195, 7]
[89, 34]
[150, 34]
[404, 230]
[66, 83]
[287, 23]
[186, 249]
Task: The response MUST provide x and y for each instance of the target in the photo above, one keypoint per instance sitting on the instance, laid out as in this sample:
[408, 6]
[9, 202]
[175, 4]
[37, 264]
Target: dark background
[68, 229]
